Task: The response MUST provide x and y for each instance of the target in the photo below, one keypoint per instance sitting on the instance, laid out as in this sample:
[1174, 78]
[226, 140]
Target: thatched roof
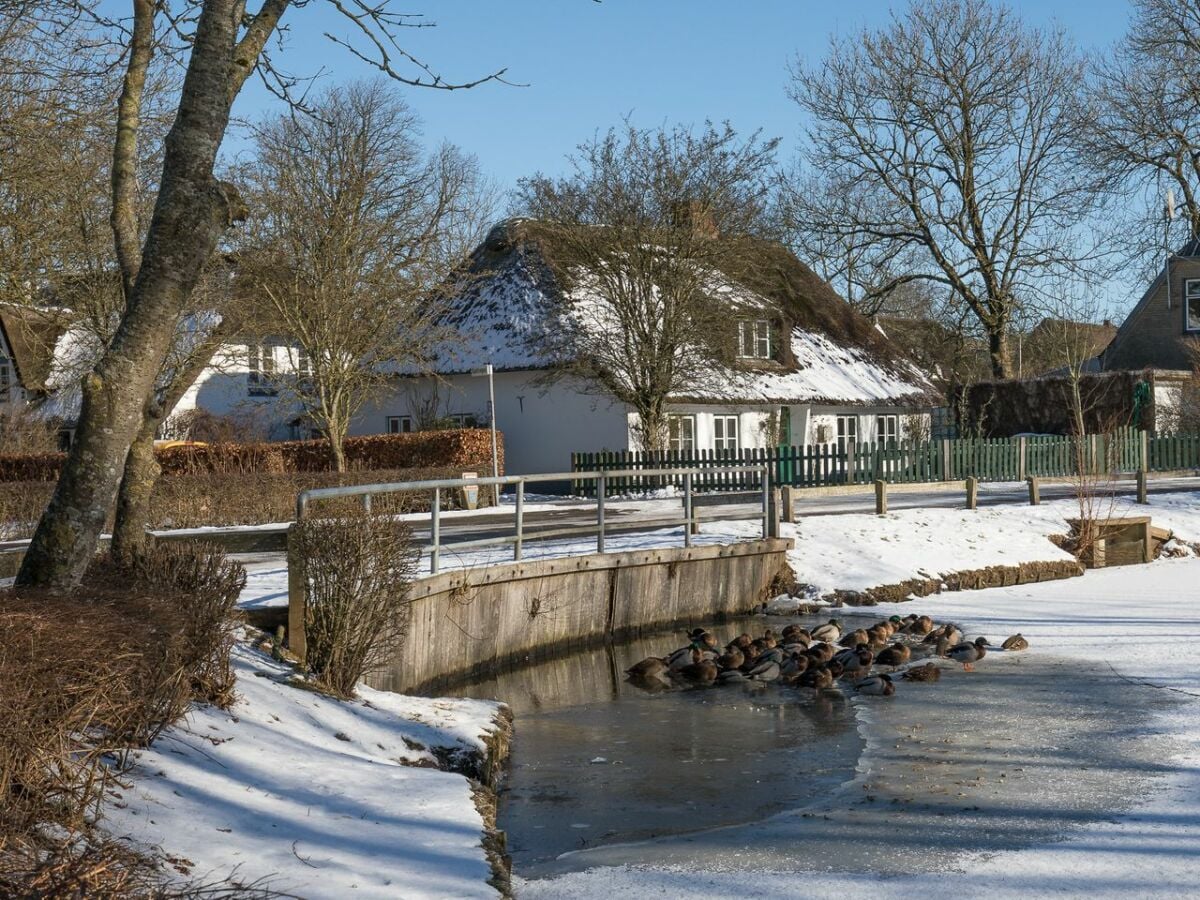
[836, 355]
[31, 335]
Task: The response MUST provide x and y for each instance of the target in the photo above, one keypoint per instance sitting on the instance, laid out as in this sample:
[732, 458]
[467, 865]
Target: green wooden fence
[903, 462]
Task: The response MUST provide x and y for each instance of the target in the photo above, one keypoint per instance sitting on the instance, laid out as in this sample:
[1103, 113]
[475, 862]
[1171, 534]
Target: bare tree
[223, 42]
[956, 121]
[1141, 122]
[355, 226]
[637, 237]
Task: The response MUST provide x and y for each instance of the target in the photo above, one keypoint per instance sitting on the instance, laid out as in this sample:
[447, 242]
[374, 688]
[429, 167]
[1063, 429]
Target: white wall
[223, 389]
[867, 422]
[541, 426]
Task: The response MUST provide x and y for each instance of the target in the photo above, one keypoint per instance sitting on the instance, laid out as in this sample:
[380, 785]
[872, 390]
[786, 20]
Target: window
[261, 362]
[462, 420]
[303, 369]
[1191, 304]
[399, 424]
[681, 433]
[754, 339]
[847, 432]
[6, 378]
[887, 430]
[725, 433]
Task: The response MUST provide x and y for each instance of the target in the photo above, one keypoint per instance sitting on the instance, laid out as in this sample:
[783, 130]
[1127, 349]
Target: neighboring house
[811, 370]
[26, 338]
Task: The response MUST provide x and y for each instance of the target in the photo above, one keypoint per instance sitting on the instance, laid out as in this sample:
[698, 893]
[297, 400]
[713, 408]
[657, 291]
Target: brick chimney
[697, 216]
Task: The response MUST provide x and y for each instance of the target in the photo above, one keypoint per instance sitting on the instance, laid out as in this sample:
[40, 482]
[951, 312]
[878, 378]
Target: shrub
[357, 569]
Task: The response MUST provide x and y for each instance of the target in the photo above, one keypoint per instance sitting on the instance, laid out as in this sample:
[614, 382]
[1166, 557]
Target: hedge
[466, 448]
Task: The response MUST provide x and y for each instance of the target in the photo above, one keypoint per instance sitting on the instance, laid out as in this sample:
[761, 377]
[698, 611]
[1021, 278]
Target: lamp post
[487, 370]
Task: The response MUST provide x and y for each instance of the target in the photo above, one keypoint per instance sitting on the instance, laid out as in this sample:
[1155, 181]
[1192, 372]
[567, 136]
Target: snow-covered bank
[1144, 623]
[312, 796]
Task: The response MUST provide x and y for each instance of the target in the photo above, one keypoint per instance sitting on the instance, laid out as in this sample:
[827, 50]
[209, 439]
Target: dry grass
[86, 677]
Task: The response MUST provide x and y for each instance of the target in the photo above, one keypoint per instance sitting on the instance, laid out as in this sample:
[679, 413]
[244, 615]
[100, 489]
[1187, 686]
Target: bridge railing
[756, 475]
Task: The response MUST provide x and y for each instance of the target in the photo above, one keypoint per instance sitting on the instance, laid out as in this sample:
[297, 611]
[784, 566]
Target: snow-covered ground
[1144, 622]
[313, 797]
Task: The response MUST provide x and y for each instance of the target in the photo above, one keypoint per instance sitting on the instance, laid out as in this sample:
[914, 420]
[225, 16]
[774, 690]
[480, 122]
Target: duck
[649, 667]
[817, 678]
[732, 658]
[831, 631]
[893, 655]
[1016, 642]
[854, 658]
[677, 659]
[928, 672]
[794, 666]
[821, 652]
[730, 676]
[919, 626]
[969, 654]
[796, 634]
[854, 638]
[768, 670]
[876, 686]
[702, 671]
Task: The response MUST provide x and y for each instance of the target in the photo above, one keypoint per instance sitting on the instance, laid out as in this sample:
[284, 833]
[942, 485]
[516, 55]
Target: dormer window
[754, 339]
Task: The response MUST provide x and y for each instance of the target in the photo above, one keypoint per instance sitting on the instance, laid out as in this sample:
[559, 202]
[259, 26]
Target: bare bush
[357, 569]
[23, 433]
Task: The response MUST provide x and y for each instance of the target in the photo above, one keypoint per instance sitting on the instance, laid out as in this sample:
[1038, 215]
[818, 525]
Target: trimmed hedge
[467, 448]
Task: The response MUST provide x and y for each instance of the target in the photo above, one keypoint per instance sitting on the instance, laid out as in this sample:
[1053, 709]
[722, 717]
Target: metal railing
[519, 535]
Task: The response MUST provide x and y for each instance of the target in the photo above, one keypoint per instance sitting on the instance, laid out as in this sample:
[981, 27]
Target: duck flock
[906, 647]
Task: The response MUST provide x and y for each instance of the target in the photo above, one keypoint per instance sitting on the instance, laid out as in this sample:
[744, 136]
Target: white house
[810, 370]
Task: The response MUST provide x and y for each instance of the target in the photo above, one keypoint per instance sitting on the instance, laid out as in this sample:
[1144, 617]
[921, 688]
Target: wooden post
[519, 522]
[789, 503]
[880, 497]
[972, 492]
[1141, 488]
[1021, 473]
[600, 492]
[1145, 451]
[850, 448]
[688, 510]
[775, 512]
[297, 597]
[1035, 492]
[947, 475]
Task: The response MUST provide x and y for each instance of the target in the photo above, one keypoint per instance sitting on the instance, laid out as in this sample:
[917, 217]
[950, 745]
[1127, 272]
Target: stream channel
[775, 778]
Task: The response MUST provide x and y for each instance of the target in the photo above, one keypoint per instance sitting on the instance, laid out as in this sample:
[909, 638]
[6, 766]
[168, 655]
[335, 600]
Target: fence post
[1144, 445]
[880, 497]
[1035, 492]
[776, 511]
[972, 492]
[789, 503]
[435, 531]
[851, 447]
[947, 475]
[766, 505]
[1141, 487]
[600, 492]
[1021, 464]
[520, 521]
[687, 509]
[297, 597]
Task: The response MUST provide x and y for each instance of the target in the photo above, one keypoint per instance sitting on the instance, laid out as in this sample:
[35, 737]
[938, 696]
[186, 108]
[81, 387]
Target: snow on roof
[839, 356]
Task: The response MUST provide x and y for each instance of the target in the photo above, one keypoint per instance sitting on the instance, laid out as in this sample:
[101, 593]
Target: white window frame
[677, 440]
[303, 368]
[727, 433]
[884, 433]
[260, 360]
[1191, 295]
[847, 432]
[8, 379]
[399, 424]
[754, 339]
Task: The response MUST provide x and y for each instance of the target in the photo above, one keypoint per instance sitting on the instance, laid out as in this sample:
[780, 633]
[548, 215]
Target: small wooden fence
[903, 462]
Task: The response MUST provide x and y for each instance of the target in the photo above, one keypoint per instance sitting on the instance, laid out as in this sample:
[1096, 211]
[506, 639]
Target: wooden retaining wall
[468, 622]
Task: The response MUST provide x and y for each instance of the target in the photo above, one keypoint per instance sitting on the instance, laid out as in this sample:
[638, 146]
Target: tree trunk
[999, 352]
[337, 449]
[192, 212]
[133, 499]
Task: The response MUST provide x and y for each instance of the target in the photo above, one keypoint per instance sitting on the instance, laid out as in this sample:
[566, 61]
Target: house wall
[913, 424]
[542, 425]
[1154, 335]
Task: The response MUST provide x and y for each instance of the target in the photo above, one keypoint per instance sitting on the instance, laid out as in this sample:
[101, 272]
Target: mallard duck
[927, 672]
[682, 657]
[831, 631]
[817, 678]
[742, 641]
[854, 638]
[764, 671]
[855, 659]
[1016, 642]
[822, 652]
[893, 655]
[647, 668]
[732, 658]
[969, 654]
[919, 626]
[703, 671]
[729, 676]
[796, 634]
[794, 666]
[876, 686]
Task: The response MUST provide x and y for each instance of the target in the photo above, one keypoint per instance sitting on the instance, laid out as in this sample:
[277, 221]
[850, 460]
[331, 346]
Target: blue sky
[587, 64]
